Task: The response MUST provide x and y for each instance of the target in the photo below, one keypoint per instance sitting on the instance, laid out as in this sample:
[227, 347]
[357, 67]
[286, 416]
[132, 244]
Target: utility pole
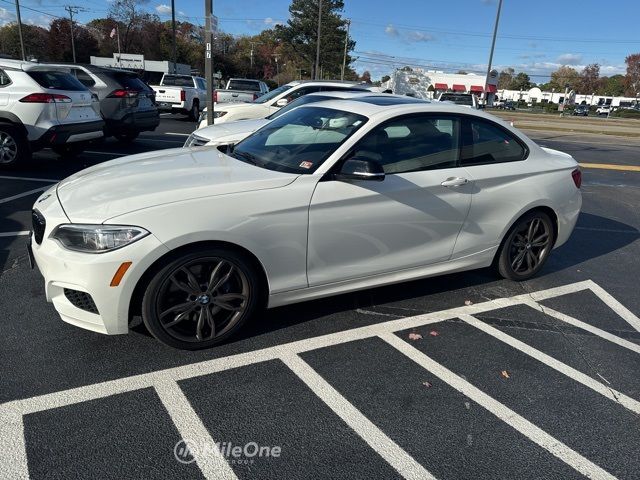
[173, 30]
[317, 68]
[24, 57]
[208, 61]
[344, 58]
[493, 45]
[72, 11]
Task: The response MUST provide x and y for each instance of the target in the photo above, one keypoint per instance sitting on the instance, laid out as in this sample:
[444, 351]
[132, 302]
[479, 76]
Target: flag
[113, 33]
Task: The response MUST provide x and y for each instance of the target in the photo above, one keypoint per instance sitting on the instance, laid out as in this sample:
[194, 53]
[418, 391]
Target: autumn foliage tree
[632, 79]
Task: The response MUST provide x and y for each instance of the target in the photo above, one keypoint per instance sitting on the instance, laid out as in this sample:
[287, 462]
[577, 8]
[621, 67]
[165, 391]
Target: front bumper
[85, 273]
[69, 133]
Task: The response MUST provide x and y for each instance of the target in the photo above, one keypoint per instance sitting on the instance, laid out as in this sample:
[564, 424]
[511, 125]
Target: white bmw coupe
[328, 198]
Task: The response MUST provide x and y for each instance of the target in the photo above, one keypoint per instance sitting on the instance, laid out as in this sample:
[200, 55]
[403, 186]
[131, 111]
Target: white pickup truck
[181, 93]
[276, 99]
[240, 90]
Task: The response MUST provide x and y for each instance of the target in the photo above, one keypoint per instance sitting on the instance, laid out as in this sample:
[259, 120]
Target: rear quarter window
[53, 80]
[4, 79]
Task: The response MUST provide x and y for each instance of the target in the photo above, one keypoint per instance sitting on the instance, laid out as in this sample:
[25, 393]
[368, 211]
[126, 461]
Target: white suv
[44, 107]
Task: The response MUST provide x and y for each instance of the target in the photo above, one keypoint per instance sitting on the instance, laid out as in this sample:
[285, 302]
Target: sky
[534, 37]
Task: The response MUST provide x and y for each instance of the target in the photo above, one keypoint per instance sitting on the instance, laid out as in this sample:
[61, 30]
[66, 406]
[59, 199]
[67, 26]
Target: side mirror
[282, 102]
[361, 169]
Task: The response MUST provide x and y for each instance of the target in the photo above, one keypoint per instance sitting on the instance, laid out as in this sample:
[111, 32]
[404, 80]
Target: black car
[582, 110]
[127, 104]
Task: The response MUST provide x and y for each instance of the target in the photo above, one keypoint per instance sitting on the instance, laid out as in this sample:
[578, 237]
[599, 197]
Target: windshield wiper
[245, 157]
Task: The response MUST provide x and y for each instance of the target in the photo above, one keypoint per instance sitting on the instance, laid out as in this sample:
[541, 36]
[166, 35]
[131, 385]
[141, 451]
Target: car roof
[387, 98]
[336, 83]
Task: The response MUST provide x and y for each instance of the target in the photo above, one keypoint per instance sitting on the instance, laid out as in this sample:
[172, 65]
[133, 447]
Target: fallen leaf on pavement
[427, 384]
[504, 374]
[468, 302]
[434, 333]
[415, 336]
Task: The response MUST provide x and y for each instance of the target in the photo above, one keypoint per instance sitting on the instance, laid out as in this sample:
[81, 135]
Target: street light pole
[344, 58]
[173, 30]
[208, 62]
[493, 46]
[317, 68]
[24, 57]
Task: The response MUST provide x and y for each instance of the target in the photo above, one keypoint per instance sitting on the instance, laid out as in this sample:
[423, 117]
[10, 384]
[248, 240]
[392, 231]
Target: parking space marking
[504, 413]
[13, 454]
[389, 450]
[211, 463]
[616, 306]
[177, 134]
[111, 154]
[24, 194]
[608, 230]
[584, 326]
[614, 395]
[29, 179]
[12, 439]
[14, 234]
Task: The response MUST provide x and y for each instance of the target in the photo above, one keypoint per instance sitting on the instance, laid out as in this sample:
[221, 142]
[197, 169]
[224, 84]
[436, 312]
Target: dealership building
[535, 95]
[429, 83]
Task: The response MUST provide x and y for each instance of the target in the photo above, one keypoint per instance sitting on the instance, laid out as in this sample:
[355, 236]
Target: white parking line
[29, 179]
[14, 234]
[389, 450]
[615, 305]
[608, 230]
[511, 418]
[12, 438]
[24, 194]
[557, 365]
[177, 134]
[111, 154]
[211, 462]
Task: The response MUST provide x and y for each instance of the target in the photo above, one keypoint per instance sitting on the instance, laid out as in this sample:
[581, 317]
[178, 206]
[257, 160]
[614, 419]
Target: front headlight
[96, 238]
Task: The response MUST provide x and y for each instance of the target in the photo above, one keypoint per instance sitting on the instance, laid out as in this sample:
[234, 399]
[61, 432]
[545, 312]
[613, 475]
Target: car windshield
[457, 99]
[177, 81]
[272, 94]
[299, 141]
[306, 99]
[251, 85]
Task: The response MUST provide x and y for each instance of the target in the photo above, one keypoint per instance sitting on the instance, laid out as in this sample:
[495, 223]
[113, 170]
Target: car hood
[140, 181]
[231, 131]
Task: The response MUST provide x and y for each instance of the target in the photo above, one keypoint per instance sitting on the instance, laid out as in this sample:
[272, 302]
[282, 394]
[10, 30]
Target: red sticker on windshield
[306, 165]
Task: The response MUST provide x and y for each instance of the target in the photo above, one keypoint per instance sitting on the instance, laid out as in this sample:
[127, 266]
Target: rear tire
[526, 247]
[201, 298]
[14, 146]
[126, 137]
[194, 113]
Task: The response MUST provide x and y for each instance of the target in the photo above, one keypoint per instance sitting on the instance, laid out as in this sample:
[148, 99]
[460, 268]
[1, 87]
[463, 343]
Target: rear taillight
[45, 98]
[122, 93]
[577, 177]
[183, 96]
[215, 96]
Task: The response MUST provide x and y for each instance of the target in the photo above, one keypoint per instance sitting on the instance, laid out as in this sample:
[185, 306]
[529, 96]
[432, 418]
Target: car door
[494, 158]
[410, 219]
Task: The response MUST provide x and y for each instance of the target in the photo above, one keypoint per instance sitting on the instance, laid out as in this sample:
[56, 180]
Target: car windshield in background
[244, 85]
[457, 99]
[130, 82]
[53, 80]
[272, 94]
[177, 81]
[300, 140]
[304, 100]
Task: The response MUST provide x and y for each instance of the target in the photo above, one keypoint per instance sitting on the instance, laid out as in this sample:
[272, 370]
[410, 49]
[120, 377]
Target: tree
[505, 78]
[520, 82]
[589, 79]
[632, 79]
[385, 78]
[366, 77]
[461, 72]
[613, 85]
[35, 41]
[564, 76]
[59, 44]
[131, 19]
[300, 33]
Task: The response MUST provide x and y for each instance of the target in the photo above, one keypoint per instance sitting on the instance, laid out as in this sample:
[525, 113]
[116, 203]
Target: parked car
[43, 107]
[328, 198]
[240, 90]
[181, 94]
[581, 110]
[603, 110]
[464, 99]
[275, 99]
[127, 104]
[508, 105]
[231, 133]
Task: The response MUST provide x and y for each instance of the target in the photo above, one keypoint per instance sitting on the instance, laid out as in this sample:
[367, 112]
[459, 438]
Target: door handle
[454, 182]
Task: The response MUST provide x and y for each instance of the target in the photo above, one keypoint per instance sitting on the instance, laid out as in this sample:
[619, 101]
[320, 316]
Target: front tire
[201, 298]
[526, 247]
[194, 113]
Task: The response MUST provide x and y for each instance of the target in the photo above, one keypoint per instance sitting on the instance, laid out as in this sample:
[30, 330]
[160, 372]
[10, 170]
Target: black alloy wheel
[526, 247]
[200, 299]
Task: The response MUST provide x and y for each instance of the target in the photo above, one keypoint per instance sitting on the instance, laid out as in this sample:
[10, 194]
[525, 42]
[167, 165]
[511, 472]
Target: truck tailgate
[168, 94]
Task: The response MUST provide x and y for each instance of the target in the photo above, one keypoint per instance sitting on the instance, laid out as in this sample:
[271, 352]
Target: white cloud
[40, 21]
[416, 36]
[391, 31]
[569, 59]
[163, 9]
[6, 16]
[271, 21]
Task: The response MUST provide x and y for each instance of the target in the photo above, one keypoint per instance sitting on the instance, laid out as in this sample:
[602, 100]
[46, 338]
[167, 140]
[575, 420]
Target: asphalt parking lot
[461, 376]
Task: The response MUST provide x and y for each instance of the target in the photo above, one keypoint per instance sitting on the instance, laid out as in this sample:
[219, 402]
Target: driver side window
[412, 143]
